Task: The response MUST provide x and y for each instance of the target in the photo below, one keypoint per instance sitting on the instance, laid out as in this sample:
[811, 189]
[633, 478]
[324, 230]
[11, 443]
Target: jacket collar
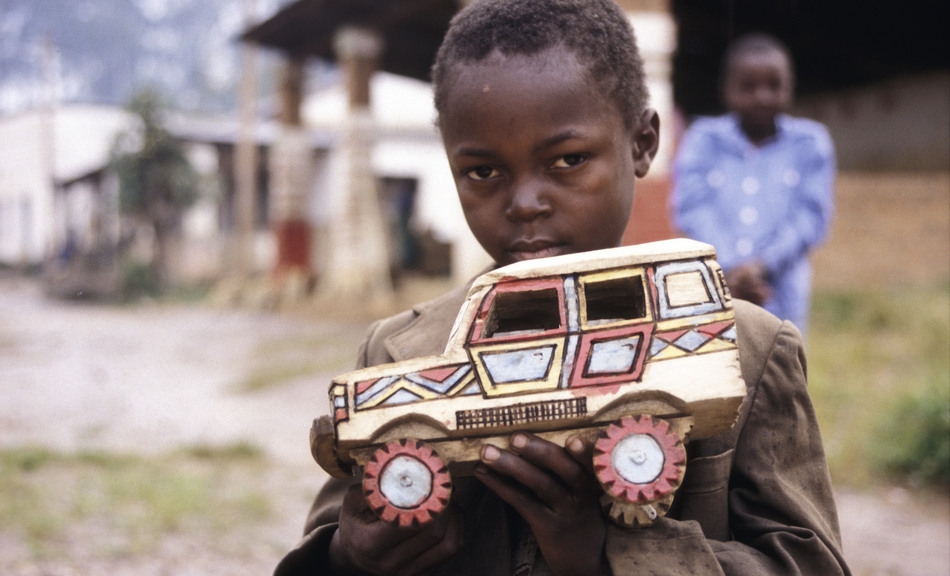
[427, 332]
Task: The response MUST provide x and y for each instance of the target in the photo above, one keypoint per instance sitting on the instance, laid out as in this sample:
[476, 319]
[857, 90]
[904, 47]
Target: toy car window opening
[523, 312]
[615, 300]
[685, 290]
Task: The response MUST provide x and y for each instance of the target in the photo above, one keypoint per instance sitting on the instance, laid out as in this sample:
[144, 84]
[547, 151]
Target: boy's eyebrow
[556, 139]
[553, 140]
[471, 151]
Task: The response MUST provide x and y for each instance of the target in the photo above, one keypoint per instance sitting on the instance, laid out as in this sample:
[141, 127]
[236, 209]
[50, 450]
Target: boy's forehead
[535, 92]
[771, 58]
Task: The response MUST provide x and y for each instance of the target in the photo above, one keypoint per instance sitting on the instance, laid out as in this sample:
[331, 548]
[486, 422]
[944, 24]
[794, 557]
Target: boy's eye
[481, 173]
[569, 160]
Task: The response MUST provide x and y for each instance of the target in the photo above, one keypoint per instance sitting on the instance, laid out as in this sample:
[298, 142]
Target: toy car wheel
[635, 515]
[406, 483]
[639, 460]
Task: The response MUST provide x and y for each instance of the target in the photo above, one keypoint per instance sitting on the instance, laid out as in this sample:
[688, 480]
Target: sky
[101, 51]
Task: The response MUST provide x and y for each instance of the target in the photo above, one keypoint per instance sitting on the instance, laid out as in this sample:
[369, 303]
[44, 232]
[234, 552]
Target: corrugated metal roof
[411, 29]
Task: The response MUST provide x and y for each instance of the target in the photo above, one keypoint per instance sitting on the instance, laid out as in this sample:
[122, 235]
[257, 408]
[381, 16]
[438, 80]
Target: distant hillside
[101, 51]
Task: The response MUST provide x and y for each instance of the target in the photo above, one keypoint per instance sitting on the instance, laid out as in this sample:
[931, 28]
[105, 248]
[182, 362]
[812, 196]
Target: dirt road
[146, 379]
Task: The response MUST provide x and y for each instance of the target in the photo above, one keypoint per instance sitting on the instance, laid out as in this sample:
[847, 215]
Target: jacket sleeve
[692, 199]
[782, 518]
[812, 202]
[312, 553]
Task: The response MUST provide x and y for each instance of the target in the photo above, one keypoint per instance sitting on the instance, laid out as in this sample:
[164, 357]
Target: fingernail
[575, 445]
[519, 441]
[490, 453]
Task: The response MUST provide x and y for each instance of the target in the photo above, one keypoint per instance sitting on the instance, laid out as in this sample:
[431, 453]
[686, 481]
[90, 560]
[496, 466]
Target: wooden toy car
[632, 347]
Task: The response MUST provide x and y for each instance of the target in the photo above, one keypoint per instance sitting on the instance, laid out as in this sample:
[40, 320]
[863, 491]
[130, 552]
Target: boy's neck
[759, 134]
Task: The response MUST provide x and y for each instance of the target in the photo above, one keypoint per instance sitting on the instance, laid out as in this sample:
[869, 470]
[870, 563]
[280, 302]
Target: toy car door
[616, 325]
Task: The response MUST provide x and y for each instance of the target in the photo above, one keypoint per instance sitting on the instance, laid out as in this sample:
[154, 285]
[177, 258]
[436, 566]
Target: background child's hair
[596, 31]
[752, 43]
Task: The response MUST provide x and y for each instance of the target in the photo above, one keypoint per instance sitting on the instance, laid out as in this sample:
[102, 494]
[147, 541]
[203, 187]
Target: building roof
[411, 29]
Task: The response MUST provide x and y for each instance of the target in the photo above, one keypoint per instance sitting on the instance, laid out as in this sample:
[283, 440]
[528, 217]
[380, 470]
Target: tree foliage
[156, 180]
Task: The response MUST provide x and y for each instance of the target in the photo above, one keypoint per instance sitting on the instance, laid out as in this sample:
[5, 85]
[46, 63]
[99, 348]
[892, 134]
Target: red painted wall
[650, 218]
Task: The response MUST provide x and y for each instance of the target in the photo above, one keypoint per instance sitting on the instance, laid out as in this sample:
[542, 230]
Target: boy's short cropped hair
[598, 32]
[752, 43]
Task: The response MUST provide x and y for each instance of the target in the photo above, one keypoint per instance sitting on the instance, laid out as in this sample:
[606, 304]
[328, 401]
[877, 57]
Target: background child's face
[757, 88]
[542, 161]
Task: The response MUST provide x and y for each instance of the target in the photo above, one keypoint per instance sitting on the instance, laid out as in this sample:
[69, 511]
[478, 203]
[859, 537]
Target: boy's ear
[646, 141]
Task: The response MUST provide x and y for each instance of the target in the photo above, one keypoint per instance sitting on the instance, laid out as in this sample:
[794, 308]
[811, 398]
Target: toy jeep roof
[634, 347]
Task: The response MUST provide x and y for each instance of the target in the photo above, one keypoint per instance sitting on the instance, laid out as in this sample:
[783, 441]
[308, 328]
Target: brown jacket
[756, 500]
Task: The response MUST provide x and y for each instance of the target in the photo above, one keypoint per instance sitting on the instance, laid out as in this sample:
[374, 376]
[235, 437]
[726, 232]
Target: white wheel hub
[638, 458]
[405, 482]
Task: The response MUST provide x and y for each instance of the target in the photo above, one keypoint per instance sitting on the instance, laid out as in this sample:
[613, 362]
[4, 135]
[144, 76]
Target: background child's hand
[555, 491]
[749, 282]
[364, 544]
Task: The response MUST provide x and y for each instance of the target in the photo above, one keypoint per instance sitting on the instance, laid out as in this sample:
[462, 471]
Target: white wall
[408, 146]
[36, 148]
[656, 38]
[25, 187]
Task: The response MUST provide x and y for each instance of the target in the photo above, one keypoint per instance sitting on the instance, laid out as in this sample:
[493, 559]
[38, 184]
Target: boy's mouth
[533, 250]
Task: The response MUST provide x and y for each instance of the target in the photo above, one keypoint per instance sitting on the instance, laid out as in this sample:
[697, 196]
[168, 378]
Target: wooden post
[291, 177]
[241, 260]
[357, 268]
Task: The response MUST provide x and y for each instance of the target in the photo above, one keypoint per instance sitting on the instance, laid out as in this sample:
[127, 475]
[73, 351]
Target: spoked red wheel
[406, 483]
[640, 460]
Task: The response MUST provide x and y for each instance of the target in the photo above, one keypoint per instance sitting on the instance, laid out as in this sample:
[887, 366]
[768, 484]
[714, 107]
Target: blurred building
[876, 73]
[408, 33]
[887, 110]
[51, 168]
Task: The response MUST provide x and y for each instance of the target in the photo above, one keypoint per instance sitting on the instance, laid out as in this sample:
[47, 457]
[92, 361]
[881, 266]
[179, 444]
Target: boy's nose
[528, 201]
[765, 95]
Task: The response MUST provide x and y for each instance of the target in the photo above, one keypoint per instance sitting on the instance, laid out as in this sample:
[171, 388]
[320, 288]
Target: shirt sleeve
[782, 515]
[812, 205]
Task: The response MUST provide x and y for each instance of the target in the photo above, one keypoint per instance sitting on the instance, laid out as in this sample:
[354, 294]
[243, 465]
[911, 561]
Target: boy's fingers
[582, 450]
[436, 545]
[395, 549]
[572, 464]
[512, 491]
[540, 470]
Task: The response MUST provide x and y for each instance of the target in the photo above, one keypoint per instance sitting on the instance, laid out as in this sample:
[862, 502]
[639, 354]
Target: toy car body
[633, 347]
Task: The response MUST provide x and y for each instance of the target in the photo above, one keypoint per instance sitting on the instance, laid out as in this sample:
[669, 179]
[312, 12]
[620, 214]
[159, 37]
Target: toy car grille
[517, 414]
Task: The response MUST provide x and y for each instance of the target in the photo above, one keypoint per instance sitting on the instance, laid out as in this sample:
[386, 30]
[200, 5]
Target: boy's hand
[555, 491]
[749, 282]
[363, 544]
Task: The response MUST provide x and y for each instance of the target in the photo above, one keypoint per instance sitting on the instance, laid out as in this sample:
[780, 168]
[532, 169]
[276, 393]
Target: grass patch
[115, 505]
[276, 362]
[915, 442]
[879, 374]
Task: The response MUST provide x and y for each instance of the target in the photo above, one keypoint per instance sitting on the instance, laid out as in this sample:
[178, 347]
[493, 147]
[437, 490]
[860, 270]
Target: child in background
[543, 113]
[756, 183]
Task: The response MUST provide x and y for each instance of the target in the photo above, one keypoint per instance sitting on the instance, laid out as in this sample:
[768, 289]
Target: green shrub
[914, 438]
[879, 375]
[138, 281]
